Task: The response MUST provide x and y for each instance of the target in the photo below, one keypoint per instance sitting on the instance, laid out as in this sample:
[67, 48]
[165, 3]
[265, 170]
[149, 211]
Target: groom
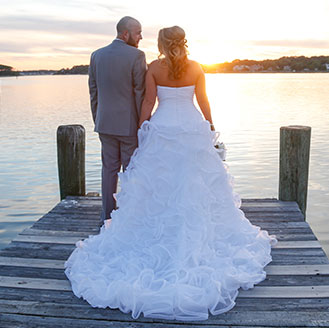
[116, 88]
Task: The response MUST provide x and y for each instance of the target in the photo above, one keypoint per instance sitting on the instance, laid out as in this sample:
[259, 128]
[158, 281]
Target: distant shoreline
[293, 64]
[260, 72]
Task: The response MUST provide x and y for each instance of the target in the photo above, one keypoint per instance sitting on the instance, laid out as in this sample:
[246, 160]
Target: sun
[208, 53]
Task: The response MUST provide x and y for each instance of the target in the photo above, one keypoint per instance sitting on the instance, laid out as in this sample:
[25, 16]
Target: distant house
[327, 67]
[241, 68]
[255, 68]
[287, 68]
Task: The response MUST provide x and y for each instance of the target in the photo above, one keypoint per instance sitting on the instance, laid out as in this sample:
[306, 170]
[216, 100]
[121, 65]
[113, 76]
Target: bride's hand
[212, 127]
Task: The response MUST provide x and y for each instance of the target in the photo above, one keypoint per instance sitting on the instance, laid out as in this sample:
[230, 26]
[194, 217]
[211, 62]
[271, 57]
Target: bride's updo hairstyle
[172, 45]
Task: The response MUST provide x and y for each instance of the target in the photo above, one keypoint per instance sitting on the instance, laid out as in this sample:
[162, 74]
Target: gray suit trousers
[116, 151]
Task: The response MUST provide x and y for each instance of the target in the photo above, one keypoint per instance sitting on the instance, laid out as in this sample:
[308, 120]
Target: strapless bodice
[176, 108]
[175, 96]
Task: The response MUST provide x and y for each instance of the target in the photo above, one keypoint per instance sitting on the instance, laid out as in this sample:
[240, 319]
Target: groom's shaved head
[126, 23]
[129, 30]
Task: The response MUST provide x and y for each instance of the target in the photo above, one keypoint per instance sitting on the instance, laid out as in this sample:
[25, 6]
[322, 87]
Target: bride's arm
[202, 99]
[150, 96]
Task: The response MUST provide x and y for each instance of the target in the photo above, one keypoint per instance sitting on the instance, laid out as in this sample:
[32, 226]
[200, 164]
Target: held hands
[212, 127]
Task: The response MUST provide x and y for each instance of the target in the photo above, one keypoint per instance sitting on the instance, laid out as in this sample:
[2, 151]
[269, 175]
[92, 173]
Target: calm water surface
[248, 109]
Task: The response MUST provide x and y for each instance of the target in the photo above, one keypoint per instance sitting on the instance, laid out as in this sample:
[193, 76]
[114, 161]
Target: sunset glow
[56, 34]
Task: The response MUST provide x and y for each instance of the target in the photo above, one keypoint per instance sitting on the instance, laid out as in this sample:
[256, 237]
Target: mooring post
[71, 160]
[295, 143]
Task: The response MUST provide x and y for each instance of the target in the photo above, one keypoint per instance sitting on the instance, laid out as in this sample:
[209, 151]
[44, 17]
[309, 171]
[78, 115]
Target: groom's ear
[125, 35]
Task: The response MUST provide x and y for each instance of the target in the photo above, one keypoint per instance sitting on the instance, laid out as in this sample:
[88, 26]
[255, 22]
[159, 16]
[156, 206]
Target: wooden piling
[71, 160]
[294, 164]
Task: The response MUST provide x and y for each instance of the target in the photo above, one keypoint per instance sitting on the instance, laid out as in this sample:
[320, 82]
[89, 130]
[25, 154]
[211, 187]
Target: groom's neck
[120, 38]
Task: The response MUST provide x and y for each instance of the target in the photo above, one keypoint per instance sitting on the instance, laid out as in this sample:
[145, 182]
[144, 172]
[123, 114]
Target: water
[248, 109]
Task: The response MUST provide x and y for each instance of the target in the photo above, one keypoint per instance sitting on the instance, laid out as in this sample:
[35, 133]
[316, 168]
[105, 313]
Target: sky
[44, 34]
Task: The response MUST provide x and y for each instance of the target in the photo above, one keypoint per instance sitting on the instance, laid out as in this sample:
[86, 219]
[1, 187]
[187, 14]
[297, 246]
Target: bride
[178, 246]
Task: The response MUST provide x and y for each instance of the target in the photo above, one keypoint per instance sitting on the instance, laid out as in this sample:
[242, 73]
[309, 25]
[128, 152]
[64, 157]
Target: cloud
[308, 43]
[73, 51]
[54, 25]
[10, 47]
[29, 46]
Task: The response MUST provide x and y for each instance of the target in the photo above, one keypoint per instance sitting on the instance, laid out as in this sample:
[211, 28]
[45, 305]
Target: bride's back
[175, 70]
[160, 72]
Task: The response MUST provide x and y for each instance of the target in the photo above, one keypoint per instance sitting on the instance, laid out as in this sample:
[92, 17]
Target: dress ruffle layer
[178, 247]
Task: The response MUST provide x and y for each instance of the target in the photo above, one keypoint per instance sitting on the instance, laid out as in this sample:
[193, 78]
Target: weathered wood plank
[76, 211]
[271, 280]
[31, 321]
[40, 295]
[299, 252]
[297, 269]
[290, 280]
[87, 199]
[69, 220]
[36, 283]
[270, 218]
[60, 233]
[66, 227]
[256, 206]
[270, 209]
[282, 304]
[39, 246]
[286, 292]
[290, 206]
[73, 216]
[299, 261]
[298, 244]
[284, 225]
[271, 269]
[62, 252]
[253, 304]
[240, 318]
[279, 230]
[43, 245]
[28, 272]
[292, 237]
[32, 263]
[72, 240]
[36, 253]
[47, 239]
[258, 291]
[263, 201]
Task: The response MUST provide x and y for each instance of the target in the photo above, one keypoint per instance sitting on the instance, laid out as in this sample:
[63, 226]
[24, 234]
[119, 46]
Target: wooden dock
[34, 291]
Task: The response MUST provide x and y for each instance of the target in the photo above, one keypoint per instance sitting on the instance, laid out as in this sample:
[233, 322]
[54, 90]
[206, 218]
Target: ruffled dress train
[178, 246]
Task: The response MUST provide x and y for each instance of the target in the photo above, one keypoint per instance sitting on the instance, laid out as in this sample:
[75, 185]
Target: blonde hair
[172, 45]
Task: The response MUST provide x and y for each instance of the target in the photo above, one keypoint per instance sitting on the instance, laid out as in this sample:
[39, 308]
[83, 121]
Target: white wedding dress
[178, 245]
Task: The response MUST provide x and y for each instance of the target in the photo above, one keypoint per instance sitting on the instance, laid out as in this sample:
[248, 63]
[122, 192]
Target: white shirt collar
[119, 40]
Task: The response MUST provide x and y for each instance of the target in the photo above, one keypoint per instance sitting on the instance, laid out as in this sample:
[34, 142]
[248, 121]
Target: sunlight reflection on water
[248, 110]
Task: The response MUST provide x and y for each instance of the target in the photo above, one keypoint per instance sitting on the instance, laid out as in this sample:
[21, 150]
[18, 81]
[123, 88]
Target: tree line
[290, 64]
[283, 64]
[7, 71]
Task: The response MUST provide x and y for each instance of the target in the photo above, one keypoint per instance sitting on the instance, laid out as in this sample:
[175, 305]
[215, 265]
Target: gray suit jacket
[116, 87]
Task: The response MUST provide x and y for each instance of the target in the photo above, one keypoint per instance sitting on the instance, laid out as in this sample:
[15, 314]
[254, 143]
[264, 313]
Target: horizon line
[204, 64]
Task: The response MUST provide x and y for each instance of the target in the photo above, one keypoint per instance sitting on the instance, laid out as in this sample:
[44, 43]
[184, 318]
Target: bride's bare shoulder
[155, 65]
[194, 64]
